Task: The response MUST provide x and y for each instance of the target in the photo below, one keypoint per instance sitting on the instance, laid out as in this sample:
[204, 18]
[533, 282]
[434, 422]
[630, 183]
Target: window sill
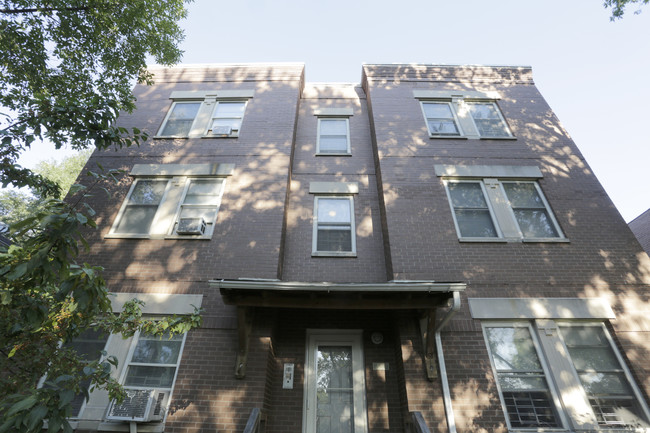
[152, 427]
[516, 240]
[143, 236]
[220, 136]
[498, 138]
[333, 254]
[170, 137]
[452, 137]
[332, 154]
[546, 240]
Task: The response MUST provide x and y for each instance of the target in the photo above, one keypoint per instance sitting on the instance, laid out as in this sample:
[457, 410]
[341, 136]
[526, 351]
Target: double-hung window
[181, 201]
[180, 119]
[333, 227]
[441, 118]
[498, 203]
[227, 118]
[205, 114]
[463, 114]
[575, 377]
[333, 136]
[521, 377]
[333, 131]
[602, 374]
[149, 378]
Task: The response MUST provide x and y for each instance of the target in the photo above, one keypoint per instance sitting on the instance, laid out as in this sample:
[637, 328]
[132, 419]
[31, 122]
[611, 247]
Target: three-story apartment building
[425, 249]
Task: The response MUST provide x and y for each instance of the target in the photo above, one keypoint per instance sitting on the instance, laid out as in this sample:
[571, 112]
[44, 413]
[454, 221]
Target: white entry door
[334, 383]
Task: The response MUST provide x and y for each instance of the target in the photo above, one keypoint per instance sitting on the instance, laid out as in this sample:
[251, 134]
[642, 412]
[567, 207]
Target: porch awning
[291, 294]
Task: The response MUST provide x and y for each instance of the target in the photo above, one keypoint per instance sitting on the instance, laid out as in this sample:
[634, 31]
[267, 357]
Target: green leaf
[36, 417]
[23, 404]
[65, 397]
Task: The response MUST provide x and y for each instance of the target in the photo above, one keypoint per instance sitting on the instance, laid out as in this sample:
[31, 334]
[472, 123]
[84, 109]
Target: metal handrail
[419, 425]
[255, 421]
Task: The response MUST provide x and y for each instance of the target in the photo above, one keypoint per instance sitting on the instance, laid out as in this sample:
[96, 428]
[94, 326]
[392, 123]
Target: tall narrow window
[471, 211]
[530, 210]
[610, 394]
[227, 118]
[140, 208]
[180, 119]
[488, 120]
[334, 226]
[521, 378]
[441, 119]
[149, 379]
[199, 207]
[333, 136]
[89, 346]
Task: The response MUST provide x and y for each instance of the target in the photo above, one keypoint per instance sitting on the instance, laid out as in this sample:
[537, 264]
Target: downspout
[449, 411]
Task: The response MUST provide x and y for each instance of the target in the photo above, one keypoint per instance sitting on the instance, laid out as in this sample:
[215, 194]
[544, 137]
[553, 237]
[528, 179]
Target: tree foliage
[66, 72]
[16, 205]
[618, 7]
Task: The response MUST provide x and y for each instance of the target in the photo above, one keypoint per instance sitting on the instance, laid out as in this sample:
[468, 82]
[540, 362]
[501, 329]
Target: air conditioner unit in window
[221, 130]
[140, 405]
[190, 226]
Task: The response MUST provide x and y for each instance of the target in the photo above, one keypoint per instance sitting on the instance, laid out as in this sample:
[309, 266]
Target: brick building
[426, 249]
[640, 226]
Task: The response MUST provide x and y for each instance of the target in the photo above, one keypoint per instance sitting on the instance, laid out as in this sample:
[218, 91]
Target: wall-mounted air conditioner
[190, 226]
[140, 405]
[221, 130]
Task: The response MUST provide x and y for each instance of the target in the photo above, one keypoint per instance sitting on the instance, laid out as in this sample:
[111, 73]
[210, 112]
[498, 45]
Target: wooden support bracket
[427, 329]
[244, 328]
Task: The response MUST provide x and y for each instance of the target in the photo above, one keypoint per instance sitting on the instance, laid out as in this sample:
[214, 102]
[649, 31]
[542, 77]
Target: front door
[334, 383]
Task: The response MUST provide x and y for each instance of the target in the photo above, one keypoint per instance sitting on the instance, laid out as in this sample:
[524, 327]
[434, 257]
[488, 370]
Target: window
[148, 378]
[525, 356]
[333, 136]
[334, 226]
[521, 378]
[172, 206]
[501, 209]
[180, 119]
[488, 119]
[472, 214]
[141, 206]
[205, 114]
[463, 114]
[227, 118]
[602, 375]
[89, 345]
[441, 119]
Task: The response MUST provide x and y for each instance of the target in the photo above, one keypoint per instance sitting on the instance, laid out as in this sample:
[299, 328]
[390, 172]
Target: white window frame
[127, 363]
[209, 224]
[315, 251]
[448, 102]
[489, 207]
[169, 113]
[125, 204]
[213, 117]
[171, 197]
[347, 137]
[622, 364]
[465, 123]
[502, 213]
[499, 113]
[547, 374]
[563, 382]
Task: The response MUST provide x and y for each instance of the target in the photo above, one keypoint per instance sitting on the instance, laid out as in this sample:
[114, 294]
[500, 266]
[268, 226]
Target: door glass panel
[334, 390]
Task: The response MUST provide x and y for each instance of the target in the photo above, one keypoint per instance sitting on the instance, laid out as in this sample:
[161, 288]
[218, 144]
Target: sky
[595, 74]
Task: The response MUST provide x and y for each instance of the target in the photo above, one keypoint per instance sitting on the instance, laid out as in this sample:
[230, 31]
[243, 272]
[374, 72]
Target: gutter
[449, 411]
[392, 286]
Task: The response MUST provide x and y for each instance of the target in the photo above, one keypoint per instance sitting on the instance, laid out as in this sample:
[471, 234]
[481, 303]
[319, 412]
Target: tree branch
[33, 10]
